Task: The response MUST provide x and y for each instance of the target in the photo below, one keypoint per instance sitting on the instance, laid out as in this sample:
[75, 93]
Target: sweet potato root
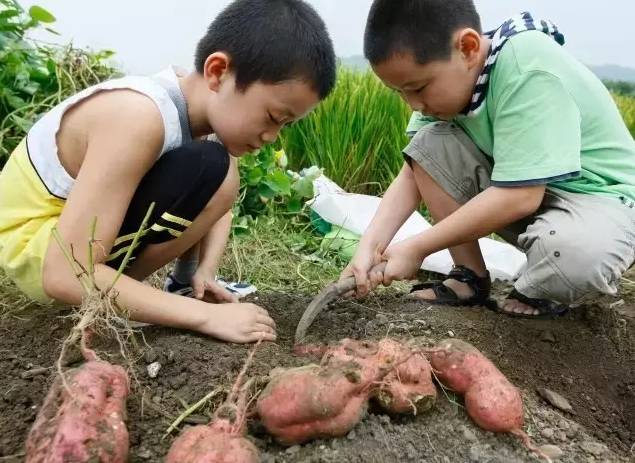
[329, 399]
[491, 400]
[82, 420]
[223, 439]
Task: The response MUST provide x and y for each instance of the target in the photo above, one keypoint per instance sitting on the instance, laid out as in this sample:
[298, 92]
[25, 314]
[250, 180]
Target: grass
[281, 254]
[626, 106]
[12, 301]
[357, 134]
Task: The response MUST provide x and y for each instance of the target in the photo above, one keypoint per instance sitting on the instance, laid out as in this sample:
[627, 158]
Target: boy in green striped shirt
[510, 135]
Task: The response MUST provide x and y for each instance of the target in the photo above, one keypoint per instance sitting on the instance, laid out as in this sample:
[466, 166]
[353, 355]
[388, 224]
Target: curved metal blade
[327, 295]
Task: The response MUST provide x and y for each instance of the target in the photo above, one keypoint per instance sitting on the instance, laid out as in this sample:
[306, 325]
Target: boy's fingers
[259, 327]
[388, 276]
[349, 295]
[199, 290]
[227, 295]
[265, 320]
[361, 278]
[262, 311]
[261, 336]
[376, 279]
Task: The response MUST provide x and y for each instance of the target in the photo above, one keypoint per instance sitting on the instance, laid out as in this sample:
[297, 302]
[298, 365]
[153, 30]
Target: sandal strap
[480, 285]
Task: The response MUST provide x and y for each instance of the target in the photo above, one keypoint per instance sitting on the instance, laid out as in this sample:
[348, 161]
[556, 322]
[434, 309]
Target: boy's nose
[269, 136]
[414, 103]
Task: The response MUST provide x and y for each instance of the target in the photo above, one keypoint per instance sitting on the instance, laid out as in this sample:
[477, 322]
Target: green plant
[621, 87]
[356, 135]
[33, 77]
[265, 185]
[626, 106]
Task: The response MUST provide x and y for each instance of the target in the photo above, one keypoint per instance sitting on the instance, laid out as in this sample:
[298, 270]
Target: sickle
[327, 295]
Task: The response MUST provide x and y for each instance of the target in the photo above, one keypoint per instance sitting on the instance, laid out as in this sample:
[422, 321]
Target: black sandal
[547, 310]
[481, 287]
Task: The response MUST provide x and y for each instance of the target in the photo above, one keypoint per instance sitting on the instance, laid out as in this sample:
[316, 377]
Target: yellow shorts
[28, 213]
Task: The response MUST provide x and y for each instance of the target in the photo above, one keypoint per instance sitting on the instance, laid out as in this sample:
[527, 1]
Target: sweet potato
[408, 388]
[223, 439]
[491, 400]
[82, 420]
[328, 400]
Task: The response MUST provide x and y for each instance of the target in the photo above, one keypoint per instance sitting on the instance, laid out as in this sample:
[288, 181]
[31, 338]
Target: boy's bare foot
[513, 306]
[519, 305]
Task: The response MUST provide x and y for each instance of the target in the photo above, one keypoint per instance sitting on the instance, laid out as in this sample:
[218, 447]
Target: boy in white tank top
[114, 149]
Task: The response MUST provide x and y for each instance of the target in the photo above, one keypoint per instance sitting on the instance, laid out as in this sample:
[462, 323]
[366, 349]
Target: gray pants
[575, 243]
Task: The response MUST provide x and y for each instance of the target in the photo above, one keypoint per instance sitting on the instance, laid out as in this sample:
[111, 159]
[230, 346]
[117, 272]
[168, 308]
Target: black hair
[421, 27]
[272, 41]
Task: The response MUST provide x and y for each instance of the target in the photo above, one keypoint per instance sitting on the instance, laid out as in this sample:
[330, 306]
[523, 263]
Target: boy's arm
[214, 243]
[212, 247]
[126, 133]
[399, 202]
[486, 213]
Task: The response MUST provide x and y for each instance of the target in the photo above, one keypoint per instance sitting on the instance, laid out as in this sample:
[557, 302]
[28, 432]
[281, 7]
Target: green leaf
[105, 54]
[14, 101]
[24, 124]
[41, 15]
[254, 176]
[8, 14]
[40, 74]
[294, 205]
[265, 191]
[279, 182]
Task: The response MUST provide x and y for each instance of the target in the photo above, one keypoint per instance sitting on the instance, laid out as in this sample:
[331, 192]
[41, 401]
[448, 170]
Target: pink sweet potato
[328, 400]
[408, 388]
[223, 439]
[491, 400]
[83, 422]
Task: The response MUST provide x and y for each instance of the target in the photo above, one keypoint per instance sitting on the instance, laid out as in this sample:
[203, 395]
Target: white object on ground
[354, 213]
[240, 289]
[153, 369]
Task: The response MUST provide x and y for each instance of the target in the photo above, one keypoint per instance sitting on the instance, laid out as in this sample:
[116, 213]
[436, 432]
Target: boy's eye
[273, 119]
[420, 89]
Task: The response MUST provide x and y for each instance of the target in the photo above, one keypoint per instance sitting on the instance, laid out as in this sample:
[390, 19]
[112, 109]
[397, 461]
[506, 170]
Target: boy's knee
[432, 140]
[566, 268]
[448, 155]
[214, 161]
[231, 184]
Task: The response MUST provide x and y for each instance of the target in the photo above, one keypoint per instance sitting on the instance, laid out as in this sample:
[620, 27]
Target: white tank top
[163, 89]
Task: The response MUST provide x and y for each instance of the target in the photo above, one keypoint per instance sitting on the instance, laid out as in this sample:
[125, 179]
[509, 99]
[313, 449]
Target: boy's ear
[468, 43]
[215, 68]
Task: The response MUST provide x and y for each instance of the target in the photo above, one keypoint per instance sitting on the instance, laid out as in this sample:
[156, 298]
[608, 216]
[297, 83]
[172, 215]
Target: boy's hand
[403, 261]
[240, 323]
[363, 261]
[206, 288]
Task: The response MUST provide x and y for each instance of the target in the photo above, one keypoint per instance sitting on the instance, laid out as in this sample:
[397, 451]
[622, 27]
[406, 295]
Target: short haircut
[421, 27]
[272, 41]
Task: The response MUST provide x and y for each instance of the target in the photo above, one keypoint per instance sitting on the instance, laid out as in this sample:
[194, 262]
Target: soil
[588, 357]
